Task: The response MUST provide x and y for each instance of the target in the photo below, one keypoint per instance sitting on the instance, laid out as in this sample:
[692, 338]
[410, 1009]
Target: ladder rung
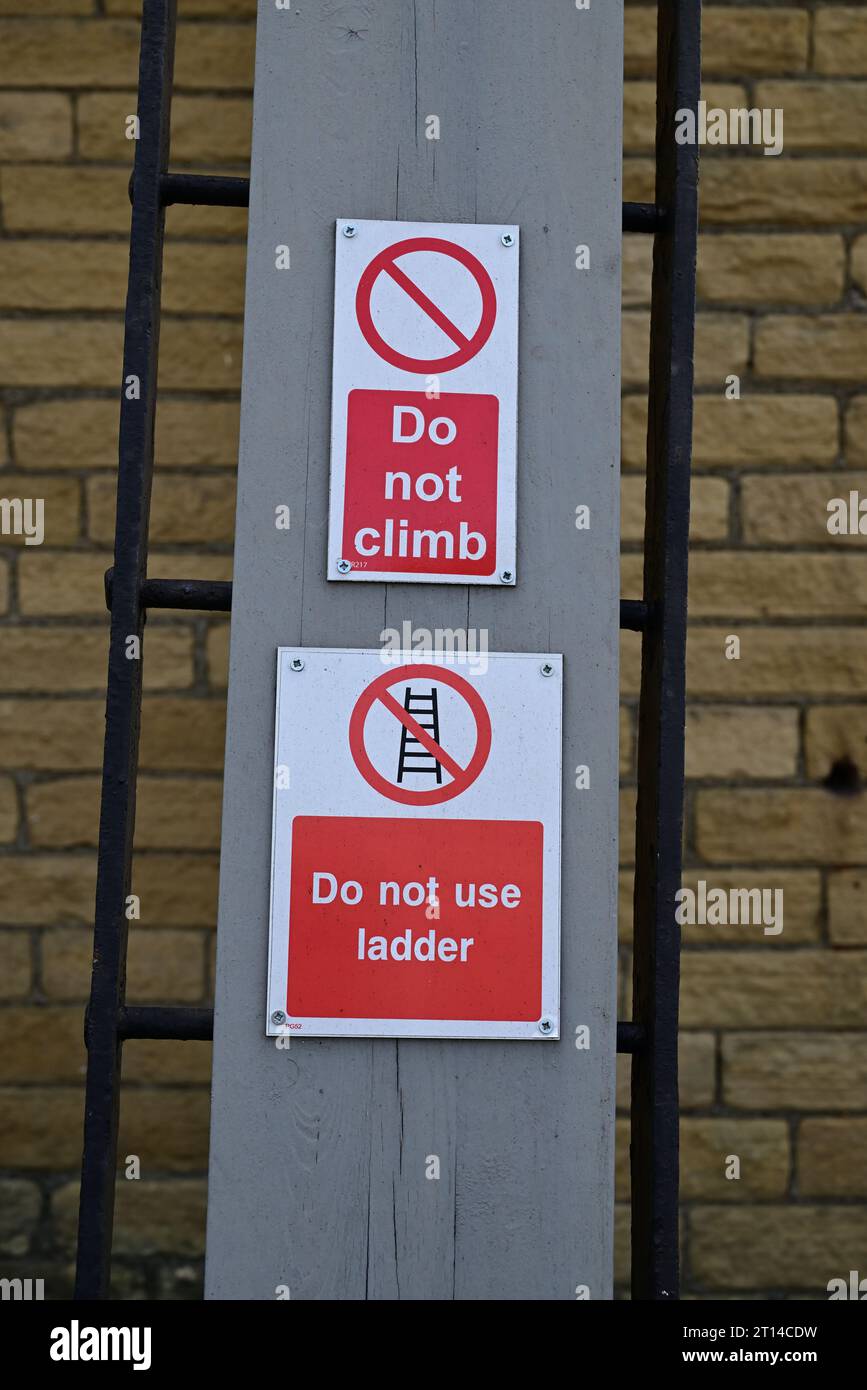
[215, 190]
[631, 1037]
[211, 595]
[642, 217]
[206, 189]
[215, 596]
[159, 1021]
[634, 614]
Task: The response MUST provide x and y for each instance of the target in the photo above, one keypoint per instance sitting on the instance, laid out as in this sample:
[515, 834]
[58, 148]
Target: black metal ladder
[651, 1036]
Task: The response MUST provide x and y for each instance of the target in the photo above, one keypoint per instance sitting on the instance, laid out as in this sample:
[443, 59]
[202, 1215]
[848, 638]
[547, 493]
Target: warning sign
[424, 403]
[416, 846]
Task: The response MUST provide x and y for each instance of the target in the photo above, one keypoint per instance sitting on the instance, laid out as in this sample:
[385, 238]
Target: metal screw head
[344, 566]
[278, 1016]
[350, 229]
[546, 668]
[507, 239]
[507, 577]
[545, 1025]
[297, 663]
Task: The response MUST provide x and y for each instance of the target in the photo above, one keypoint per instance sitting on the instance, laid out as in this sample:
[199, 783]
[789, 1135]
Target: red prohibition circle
[384, 263]
[463, 778]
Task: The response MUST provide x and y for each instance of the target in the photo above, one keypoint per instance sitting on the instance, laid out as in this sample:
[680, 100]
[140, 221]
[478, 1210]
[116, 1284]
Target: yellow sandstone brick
[834, 733]
[636, 271]
[721, 345]
[63, 352]
[859, 264]
[200, 355]
[8, 811]
[71, 52]
[61, 510]
[734, 41]
[639, 180]
[35, 125]
[84, 433]
[761, 585]
[146, 1061]
[49, 7]
[832, 1157]
[831, 347]
[795, 1247]
[41, 1127]
[167, 1130]
[793, 509]
[709, 509]
[770, 988]
[205, 129]
[96, 200]
[185, 509]
[66, 584]
[769, 269]
[761, 1145]
[182, 735]
[49, 275]
[222, 9]
[745, 742]
[847, 907]
[780, 826]
[217, 648]
[788, 192]
[162, 965]
[74, 660]
[171, 813]
[41, 1044]
[818, 115]
[696, 1066]
[856, 432]
[62, 584]
[47, 889]
[788, 661]
[40, 735]
[176, 890]
[627, 742]
[639, 110]
[755, 431]
[150, 1217]
[104, 52]
[15, 964]
[788, 1071]
[840, 41]
[801, 897]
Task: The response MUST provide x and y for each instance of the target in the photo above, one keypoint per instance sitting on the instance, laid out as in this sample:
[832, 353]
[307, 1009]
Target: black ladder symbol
[424, 711]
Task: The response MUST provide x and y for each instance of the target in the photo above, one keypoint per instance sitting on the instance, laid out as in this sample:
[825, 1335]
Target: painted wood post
[317, 1180]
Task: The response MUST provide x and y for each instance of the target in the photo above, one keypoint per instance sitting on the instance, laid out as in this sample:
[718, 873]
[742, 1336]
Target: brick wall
[774, 1049]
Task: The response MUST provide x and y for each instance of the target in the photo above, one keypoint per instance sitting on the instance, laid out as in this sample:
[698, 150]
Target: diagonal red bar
[422, 735]
[431, 309]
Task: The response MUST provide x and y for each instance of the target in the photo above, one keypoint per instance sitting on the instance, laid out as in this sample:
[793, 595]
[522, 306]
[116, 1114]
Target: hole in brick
[844, 778]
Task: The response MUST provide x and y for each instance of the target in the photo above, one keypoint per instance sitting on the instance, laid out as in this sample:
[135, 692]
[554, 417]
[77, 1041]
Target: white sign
[424, 403]
[415, 883]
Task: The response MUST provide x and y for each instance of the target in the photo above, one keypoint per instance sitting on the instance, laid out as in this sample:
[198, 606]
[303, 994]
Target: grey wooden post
[317, 1165]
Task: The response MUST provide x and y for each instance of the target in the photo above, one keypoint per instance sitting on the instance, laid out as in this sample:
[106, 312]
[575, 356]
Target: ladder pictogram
[425, 711]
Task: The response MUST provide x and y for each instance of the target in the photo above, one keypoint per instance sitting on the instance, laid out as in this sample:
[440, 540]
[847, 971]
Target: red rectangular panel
[463, 940]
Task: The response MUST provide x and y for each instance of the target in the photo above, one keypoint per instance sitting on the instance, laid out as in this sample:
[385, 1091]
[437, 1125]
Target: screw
[278, 1016]
[350, 229]
[507, 239]
[344, 566]
[297, 663]
[507, 576]
[547, 669]
[545, 1025]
